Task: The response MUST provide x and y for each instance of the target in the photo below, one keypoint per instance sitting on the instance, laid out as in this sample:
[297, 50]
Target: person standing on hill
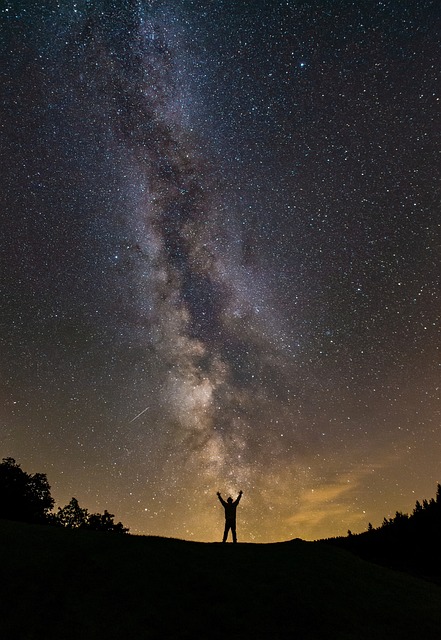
[230, 515]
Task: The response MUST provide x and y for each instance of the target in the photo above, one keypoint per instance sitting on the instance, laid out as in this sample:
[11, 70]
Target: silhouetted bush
[23, 496]
[72, 516]
[27, 498]
[105, 522]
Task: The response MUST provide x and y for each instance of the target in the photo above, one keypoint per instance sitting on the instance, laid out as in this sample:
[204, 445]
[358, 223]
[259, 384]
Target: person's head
[229, 499]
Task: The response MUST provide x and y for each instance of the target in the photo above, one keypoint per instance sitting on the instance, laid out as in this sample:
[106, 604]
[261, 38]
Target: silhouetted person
[230, 515]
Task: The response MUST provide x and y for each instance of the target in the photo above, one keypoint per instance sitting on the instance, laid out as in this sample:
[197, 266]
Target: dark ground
[65, 584]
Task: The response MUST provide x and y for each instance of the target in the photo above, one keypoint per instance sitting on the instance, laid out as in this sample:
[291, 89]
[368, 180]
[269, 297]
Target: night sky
[220, 259]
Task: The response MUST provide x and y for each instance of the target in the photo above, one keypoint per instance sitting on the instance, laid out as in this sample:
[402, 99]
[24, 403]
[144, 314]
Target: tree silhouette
[418, 508]
[27, 498]
[407, 542]
[72, 516]
[105, 522]
[23, 496]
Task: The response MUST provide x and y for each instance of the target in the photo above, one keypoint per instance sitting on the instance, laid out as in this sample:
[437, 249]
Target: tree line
[409, 542]
[27, 498]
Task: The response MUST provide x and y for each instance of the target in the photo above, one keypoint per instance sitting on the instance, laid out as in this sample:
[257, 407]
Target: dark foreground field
[76, 584]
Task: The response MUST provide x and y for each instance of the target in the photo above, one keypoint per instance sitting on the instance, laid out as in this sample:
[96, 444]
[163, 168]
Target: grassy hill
[65, 584]
[406, 543]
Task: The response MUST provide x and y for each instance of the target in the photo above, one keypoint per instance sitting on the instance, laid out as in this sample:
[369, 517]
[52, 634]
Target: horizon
[220, 250]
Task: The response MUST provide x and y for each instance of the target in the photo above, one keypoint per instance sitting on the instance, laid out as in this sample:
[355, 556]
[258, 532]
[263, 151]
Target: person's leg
[226, 532]
[233, 531]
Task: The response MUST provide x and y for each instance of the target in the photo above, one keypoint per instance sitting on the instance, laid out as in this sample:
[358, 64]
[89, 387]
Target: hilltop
[408, 543]
[64, 584]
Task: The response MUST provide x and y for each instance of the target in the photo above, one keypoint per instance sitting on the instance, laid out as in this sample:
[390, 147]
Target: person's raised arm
[238, 497]
[221, 499]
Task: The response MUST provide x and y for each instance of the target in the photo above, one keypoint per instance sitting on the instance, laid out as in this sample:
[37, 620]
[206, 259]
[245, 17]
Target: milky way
[221, 260]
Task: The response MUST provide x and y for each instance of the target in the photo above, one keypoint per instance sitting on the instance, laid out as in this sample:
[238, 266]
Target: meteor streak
[139, 414]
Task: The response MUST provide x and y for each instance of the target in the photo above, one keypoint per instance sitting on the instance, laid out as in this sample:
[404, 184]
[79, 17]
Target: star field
[221, 260]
